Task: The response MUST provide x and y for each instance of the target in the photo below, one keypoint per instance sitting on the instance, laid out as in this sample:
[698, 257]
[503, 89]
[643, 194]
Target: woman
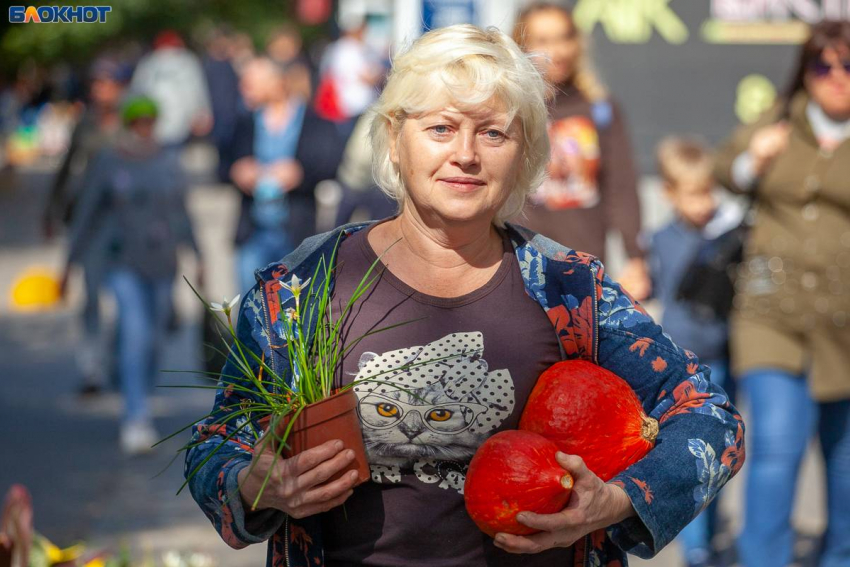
[592, 184]
[790, 341]
[460, 140]
[132, 215]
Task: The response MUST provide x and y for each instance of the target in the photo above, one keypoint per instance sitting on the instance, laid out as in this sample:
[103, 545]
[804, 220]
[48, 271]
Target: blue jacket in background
[672, 250]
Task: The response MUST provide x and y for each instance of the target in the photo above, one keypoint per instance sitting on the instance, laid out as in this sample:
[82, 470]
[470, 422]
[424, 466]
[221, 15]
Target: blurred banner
[676, 66]
[696, 66]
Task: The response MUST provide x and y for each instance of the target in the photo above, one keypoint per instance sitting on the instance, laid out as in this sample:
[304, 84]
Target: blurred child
[134, 198]
[698, 226]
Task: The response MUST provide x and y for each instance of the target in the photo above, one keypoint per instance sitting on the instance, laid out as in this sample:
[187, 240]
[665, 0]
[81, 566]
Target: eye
[494, 135]
[387, 410]
[440, 129]
[440, 415]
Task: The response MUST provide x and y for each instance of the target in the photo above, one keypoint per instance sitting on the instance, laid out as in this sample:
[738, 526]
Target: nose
[465, 152]
[412, 425]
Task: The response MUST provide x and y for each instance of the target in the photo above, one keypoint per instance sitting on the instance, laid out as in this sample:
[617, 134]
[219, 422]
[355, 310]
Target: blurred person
[350, 73]
[225, 100]
[96, 131]
[242, 51]
[460, 140]
[174, 77]
[282, 149]
[592, 185]
[284, 47]
[789, 338]
[136, 196]
[697, 230]
[361, 196]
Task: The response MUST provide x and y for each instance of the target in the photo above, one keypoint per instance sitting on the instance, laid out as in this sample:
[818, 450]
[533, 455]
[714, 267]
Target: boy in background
[698, 226]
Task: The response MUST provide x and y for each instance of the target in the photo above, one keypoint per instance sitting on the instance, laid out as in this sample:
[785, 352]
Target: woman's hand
[245, 172]
[767, 143]
[294, 485]
[287, 172]
[593, 505]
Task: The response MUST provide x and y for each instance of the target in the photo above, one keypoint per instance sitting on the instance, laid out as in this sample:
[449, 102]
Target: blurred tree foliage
[135, 20]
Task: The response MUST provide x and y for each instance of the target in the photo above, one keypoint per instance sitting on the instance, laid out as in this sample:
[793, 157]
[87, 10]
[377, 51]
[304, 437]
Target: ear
[365, 359]
[393, 137]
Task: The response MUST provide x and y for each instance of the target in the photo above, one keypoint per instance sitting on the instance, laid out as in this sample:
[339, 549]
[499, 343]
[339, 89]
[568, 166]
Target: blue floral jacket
[700, 445]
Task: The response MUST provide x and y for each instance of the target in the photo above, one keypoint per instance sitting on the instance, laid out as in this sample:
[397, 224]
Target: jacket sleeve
[213, 461]
[736, 145]
[700, 444]
[88, 208]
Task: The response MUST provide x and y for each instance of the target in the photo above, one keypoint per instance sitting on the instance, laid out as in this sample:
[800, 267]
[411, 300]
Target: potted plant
[303, 408]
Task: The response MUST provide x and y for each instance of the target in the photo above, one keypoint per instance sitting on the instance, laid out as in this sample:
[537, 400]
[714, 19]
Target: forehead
[493, 110]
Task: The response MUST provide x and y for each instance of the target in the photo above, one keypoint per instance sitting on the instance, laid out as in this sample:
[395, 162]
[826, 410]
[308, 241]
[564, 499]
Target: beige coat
[793, 300]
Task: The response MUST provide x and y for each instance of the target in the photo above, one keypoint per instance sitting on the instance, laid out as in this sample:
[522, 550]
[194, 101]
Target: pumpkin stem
[567, 482]
[649, 429]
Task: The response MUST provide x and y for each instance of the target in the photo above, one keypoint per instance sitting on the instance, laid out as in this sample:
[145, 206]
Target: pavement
[65, 449]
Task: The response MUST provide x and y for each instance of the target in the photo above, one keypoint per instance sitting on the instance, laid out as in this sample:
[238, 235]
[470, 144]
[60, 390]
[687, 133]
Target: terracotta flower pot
[332, 418]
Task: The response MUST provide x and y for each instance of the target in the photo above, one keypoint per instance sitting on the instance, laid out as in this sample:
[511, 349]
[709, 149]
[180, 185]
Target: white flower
[225, 306]
[295, 285]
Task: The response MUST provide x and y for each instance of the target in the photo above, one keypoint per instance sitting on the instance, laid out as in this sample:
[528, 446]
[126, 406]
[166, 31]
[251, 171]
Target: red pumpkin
[512, 472]
[590, 412]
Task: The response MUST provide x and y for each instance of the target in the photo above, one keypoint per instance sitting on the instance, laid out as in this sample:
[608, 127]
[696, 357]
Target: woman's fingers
[325, 470]
[574, 465]
[546, 522]
[312, 509]
[311, 458]
[330, 491]
[524, 544]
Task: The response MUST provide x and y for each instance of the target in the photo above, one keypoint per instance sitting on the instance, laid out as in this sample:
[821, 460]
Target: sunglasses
[822, 68]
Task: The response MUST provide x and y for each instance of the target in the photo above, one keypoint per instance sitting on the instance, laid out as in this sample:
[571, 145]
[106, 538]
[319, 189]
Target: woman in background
[790, 339]
[592, 185]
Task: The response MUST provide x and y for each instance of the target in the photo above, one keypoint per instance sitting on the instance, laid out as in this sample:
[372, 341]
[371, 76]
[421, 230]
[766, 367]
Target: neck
[446, 245]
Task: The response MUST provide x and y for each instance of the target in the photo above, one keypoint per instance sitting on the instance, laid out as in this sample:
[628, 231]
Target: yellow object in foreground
[35, 289]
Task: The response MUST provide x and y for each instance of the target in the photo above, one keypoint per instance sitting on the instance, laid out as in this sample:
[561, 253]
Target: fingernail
[349, 454]
[560, 455]
[501, 539]
[338, 445]
[354, 475]
[521, 517]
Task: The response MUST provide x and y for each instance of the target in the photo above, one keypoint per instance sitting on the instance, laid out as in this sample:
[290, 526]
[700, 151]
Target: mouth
[463, 184]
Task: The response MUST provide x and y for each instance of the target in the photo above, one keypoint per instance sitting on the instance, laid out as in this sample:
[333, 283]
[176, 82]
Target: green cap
[136, 107]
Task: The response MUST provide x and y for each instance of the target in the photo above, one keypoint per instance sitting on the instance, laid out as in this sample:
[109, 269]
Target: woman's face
[458, 164]
[828, 82]
[552, 33]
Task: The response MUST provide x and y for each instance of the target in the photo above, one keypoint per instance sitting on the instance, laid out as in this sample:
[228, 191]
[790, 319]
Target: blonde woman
[592, 184]
[459, 137]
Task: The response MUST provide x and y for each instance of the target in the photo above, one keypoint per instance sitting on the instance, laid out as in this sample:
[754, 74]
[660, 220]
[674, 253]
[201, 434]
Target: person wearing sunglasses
[790, 335]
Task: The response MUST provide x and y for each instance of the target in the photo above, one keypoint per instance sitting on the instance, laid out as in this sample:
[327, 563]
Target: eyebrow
[456, 115]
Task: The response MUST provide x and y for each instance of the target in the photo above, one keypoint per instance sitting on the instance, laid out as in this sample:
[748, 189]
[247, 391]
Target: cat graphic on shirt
[428, 408]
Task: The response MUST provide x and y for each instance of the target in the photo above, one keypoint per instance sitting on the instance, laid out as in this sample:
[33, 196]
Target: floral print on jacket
[700, 443]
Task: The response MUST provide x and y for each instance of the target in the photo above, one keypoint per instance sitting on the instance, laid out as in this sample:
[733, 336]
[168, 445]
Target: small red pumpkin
[514, 471]
[590, 412]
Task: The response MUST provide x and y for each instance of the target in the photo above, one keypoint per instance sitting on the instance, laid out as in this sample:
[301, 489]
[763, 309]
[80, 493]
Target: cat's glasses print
[381, 412]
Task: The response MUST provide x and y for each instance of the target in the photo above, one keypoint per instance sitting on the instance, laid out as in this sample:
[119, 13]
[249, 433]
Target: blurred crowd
[759, 291]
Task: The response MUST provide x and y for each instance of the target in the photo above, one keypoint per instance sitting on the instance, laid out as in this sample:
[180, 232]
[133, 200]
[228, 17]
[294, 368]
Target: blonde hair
[585, 79]
[466, 65]
[681, 160]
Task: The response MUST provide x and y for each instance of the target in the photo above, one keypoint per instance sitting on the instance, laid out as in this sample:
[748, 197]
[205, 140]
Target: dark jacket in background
[223, 83]
[319, 151]
[132, 214]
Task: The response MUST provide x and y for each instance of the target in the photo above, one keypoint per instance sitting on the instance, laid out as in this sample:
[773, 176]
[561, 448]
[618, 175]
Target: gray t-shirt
[460, 372]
